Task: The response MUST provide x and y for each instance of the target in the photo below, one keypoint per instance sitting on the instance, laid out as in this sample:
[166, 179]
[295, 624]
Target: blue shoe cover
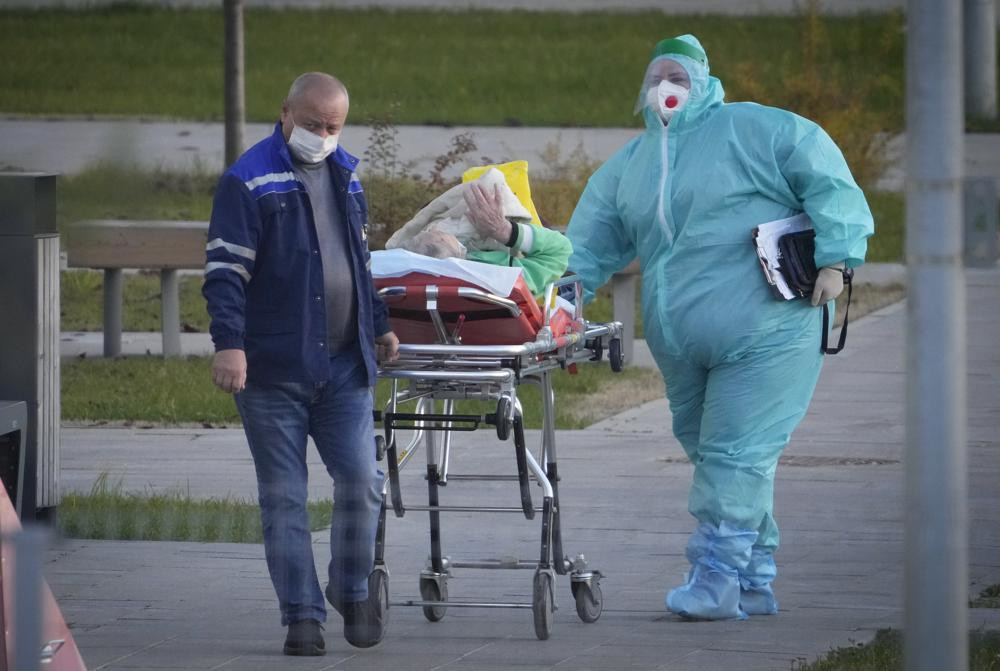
[756, 595]
[712, 592]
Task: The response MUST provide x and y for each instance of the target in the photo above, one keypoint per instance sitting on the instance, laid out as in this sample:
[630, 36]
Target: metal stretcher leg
[393, 465]
[551, 471]
[584, 583]
[435, 517]
[522, 467]
[380, 536]
[434, 579]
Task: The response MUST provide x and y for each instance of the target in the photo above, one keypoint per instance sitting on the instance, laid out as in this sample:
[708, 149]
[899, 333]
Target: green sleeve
[543, 262]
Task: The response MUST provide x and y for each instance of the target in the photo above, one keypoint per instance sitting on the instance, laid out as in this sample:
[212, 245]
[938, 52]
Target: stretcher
[461, 341]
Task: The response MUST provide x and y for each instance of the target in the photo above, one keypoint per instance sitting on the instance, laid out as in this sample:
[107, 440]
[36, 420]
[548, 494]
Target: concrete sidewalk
[839, 498]
[71, 145]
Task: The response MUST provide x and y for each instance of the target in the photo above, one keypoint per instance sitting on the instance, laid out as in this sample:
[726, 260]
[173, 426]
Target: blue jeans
[338, 415]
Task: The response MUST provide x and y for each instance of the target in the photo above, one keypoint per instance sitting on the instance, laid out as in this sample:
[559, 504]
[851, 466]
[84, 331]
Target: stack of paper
[766, 240]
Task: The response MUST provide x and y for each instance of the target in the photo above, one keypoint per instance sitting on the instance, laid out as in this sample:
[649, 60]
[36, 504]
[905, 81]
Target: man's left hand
[486, 213]
[387, 347]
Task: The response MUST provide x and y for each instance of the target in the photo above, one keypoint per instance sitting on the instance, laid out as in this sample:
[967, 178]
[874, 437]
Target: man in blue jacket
[298, 326]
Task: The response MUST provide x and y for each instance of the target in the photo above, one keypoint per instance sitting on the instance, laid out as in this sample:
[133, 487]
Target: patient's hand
[486, 213]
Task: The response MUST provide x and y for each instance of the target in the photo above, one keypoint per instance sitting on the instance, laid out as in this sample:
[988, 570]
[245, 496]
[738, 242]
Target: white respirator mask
[309, 147]
[667, 98]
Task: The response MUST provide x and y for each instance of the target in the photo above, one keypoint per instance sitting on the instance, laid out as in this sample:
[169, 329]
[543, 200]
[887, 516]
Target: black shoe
[364, 621]
[305, 639]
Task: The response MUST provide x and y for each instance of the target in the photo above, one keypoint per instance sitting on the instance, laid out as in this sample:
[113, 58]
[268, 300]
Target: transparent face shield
[663, 69]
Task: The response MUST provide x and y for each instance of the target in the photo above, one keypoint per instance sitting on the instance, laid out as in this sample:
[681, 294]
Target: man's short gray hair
[318, 82]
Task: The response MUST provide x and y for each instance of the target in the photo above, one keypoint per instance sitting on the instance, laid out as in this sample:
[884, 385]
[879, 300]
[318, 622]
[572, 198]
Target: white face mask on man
[667, 98]
[309, 147]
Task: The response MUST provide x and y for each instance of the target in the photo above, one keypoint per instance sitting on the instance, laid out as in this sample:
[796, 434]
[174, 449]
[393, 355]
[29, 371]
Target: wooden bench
[114, 245]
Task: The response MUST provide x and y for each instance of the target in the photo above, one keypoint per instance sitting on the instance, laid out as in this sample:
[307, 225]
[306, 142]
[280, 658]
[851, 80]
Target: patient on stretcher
[486, 225]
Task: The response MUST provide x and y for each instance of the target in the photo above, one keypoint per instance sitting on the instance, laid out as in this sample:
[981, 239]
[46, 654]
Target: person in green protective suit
[740, 366]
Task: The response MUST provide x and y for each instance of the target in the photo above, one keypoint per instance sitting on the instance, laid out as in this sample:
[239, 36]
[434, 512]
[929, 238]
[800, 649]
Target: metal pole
[936, 630]
[170, 312]
[235, 112]
[28, 545]
[980, 32]
[112, 312]
[623, 288]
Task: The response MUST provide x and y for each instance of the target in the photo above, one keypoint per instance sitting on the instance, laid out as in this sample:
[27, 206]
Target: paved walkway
[69, 146]
[839, 498]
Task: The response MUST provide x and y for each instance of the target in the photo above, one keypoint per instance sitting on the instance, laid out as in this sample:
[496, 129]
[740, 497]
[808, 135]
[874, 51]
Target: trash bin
[13, 426]
[29, 334]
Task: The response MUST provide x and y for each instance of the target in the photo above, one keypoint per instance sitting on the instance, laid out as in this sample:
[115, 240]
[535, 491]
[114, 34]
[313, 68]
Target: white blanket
[447, 213]
[498, 280]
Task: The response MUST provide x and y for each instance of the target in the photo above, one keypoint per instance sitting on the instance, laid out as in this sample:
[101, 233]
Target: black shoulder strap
[848, 277]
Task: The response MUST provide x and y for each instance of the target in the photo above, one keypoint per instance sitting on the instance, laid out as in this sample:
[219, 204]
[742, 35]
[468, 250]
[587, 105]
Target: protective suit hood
[706, 90]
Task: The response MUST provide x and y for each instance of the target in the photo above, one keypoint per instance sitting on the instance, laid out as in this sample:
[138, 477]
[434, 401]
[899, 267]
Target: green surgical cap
[679, 46]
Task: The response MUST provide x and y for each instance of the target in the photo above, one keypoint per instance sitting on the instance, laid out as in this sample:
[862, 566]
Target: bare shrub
[393, 196]
[818, 92]
[459, 148]
[556, 194]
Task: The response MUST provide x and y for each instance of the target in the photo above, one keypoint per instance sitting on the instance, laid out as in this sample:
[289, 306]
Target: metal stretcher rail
[612, 329]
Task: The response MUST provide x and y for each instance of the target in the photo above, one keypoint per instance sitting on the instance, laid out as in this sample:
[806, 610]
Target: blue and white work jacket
[264, 277]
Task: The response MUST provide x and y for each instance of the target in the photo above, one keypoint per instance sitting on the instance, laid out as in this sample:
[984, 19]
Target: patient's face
[438, 244]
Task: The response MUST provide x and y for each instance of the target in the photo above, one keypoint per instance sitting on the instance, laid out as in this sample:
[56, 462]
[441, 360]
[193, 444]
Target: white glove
[829, 284]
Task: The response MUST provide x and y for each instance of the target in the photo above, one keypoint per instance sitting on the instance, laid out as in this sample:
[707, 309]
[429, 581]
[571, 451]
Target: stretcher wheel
[589, 600]
[503, 418]
[433, 590]
[378, 583]
[596, 346]
[615, 355]
[541, 605]
[379, 448]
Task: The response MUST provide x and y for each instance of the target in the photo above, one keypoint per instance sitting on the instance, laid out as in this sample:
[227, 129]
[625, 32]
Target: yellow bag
[516, 174]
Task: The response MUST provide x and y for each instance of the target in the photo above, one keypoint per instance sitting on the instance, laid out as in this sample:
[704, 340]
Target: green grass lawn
[988, 598]
[885, 653]
[82, 302]
[179, 391]
[475, 67]
[112, 192]
[108, 512]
